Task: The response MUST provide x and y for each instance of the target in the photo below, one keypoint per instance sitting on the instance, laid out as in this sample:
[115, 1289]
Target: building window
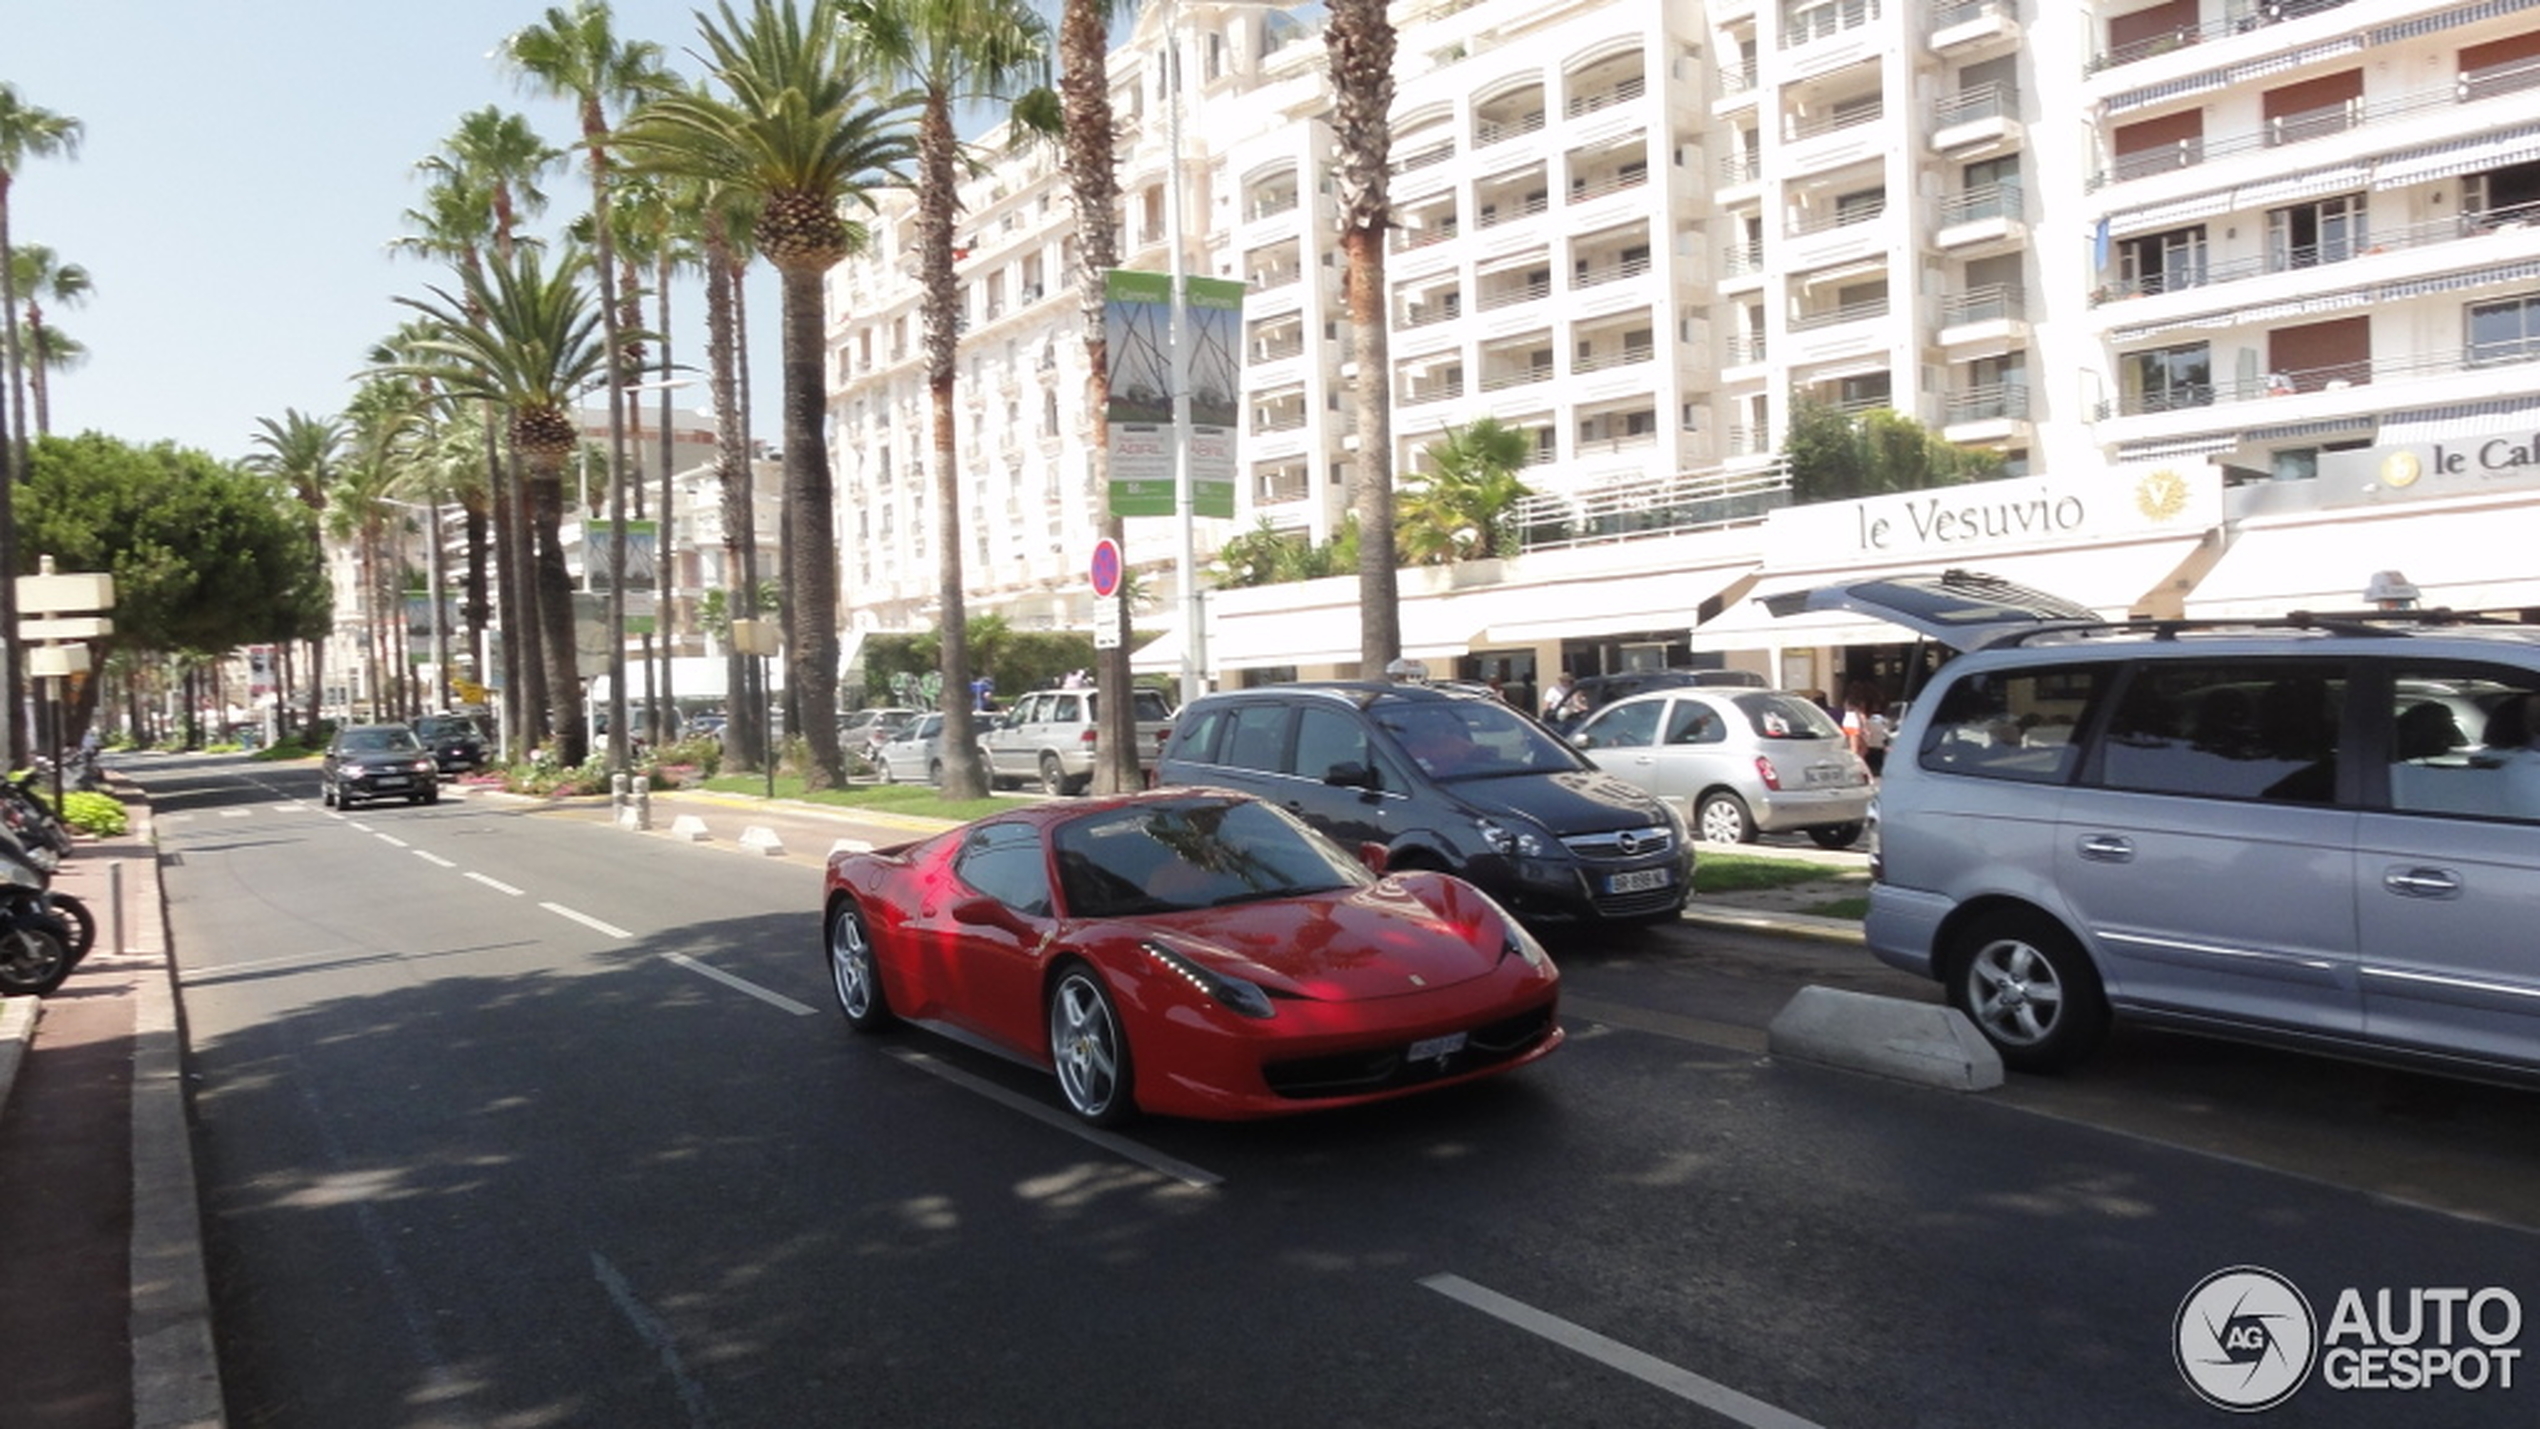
[2162, 262]
[2309, 234]
[2169, 378]
[2506, 331]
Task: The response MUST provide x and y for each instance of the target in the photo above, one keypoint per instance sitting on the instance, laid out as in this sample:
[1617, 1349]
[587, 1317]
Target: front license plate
[1436, 1048]
[391, 781]
[1640, 881]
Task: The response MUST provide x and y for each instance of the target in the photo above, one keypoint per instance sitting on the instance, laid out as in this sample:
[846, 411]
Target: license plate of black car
[1639, 881]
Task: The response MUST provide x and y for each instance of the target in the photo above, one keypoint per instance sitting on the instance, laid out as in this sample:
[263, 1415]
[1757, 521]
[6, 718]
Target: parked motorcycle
[35, 942]
[46, 841]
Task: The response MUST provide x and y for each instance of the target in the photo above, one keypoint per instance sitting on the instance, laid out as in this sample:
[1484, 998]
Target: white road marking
[496, 884]
[1649, 1369]
[236, 813]
[1119, 1146]
[586, 920]
[434, 859]
[773, 999]
[393, 841]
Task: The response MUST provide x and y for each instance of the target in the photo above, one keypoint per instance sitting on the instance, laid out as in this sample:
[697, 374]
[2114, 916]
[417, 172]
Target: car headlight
[1245, 999]
[1516, 942]
[350, 771]
[1515, 843]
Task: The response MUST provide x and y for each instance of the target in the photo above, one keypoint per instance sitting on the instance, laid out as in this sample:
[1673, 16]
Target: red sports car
[1189, 952]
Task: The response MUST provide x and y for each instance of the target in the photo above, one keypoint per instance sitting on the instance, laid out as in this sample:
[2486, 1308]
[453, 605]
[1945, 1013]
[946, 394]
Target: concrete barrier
[1918, 1042]
[17, 1028]
[764, 839]
[690, 828]
[849, 846]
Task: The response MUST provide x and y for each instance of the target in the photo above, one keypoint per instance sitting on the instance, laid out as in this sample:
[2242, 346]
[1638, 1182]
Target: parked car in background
[915, 755]
[457, 743]
[1595, 692]
[2321, 830]
[865, 730]
[377, 761]
[1735, 762]
[1190, 952]
[1444, 779]
[1048, 737]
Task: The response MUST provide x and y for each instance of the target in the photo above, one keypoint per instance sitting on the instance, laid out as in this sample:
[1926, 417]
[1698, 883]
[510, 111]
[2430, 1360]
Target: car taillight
[1161, 736]
[1086, 739]
[1764, 771]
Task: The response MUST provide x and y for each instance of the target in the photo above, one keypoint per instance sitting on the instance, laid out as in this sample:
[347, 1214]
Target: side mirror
[1350, 774]
[988, 913]
[1374, 856]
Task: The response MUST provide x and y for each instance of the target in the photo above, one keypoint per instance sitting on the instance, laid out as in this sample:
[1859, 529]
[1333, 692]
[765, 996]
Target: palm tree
[1459, 509]
[949, 52]
[26, 132]
[534, 347]
[576, 54]
[489, 175]
[49, 350]
[803, 131]
[303, 454]
[1361, 41]
[39, 275]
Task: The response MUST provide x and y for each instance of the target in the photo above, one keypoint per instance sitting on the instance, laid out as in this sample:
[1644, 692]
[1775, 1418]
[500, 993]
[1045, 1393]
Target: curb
[18, 1016]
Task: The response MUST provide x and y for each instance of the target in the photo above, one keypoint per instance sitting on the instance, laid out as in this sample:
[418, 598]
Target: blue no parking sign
[1106, 568]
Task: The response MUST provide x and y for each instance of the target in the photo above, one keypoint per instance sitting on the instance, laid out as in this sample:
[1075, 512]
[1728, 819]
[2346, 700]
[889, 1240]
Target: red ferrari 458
[1189, 952]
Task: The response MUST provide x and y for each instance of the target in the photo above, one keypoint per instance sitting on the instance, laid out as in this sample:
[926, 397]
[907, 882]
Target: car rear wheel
[1086, 1047]
[2030, 989]
[853, 974]
[1835, 835]
[1053, 778]
[1723, 819]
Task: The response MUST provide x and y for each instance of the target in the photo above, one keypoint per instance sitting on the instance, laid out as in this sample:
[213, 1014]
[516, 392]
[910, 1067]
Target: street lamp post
[1186, 570]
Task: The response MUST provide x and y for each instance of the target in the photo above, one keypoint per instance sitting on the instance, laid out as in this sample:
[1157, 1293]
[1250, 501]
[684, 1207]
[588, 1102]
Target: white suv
[2321, 829]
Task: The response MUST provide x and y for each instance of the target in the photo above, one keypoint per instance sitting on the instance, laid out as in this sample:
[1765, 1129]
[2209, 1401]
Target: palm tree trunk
[811, 655]
[554, 586]
[964, 777]
[733, 477]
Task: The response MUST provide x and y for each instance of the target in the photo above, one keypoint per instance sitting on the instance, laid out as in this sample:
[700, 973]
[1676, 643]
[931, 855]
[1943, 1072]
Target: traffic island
[1920, 1042]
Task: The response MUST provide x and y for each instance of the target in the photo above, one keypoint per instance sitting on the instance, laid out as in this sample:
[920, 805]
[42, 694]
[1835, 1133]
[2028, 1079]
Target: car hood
[1583, 801]
[1406, 934]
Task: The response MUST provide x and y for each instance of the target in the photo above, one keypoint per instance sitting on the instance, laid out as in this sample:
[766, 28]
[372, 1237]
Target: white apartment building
[2246, 295]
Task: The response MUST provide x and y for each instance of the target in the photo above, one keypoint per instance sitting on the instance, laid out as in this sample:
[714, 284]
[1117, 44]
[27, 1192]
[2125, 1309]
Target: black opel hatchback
[1444, 779]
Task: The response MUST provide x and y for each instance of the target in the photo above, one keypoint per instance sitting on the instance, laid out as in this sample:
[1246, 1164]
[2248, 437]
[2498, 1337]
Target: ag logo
[2245, 1339]
[2400, 470]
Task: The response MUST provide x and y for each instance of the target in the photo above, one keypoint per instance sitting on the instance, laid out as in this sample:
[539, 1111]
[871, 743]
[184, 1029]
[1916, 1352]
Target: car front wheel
[1723, 819]
[2030, 989]
[853, 973]
[1086, 1046]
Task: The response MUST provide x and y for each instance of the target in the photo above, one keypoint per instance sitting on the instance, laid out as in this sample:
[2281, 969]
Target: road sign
[1106, 568]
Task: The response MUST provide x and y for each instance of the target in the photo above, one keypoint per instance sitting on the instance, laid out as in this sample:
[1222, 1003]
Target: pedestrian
[1864, 726]
[1556, 700]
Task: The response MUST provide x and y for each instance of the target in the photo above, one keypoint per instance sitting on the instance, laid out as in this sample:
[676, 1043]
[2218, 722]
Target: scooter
[35, 943]
[46, 841]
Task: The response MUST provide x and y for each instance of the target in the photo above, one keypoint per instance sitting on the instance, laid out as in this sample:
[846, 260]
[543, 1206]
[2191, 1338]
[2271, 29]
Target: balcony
[1611, 270]
[1487, 132]
[1960, 23]
[1510, 294]
[1746, 350]
[1802, 24]
[1649, 506]
[1984, 115]
[1988, 216]
[1414, 394]
[1995, 315]
[1429, 157]
[1621, 92]
[2240, 20]
[1863, 311]
[2471, 87]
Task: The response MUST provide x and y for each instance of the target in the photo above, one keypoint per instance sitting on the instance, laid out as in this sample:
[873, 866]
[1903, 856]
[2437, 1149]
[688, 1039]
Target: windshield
[379, 741]
[1472, 739]
[1193, 853]
[1780, 714]
[447, 727]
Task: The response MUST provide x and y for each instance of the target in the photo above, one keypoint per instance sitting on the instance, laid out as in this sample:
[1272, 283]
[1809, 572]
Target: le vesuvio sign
[1950, 524]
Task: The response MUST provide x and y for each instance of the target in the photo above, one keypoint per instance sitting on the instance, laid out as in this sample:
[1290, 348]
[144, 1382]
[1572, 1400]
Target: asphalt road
[506, 1116]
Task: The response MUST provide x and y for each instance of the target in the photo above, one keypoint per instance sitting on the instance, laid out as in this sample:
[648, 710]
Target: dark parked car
[377, 761]
[456, 742]
[1448, 780]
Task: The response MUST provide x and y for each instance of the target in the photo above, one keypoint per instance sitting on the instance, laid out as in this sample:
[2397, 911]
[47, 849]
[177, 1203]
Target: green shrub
[94, 813]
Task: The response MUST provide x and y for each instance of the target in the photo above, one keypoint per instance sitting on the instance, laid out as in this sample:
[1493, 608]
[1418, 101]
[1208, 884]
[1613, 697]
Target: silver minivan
[1735, 762]
[2320, 830]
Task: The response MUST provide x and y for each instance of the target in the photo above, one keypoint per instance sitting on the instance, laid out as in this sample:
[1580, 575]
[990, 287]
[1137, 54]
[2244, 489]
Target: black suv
[1444, 779]
[457, 745]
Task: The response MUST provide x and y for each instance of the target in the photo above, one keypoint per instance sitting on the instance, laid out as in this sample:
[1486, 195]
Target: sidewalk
[102, 1288]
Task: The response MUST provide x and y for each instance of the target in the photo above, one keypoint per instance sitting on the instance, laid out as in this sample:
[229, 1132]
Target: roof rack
[2334, 622]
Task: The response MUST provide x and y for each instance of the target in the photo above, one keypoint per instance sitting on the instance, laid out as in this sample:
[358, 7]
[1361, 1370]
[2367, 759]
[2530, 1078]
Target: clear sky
[245, 166]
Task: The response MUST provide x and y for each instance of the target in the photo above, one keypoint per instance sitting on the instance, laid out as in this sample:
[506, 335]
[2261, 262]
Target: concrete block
[764, 839]
[1919, 1042]
[689, 827]
[849, 846]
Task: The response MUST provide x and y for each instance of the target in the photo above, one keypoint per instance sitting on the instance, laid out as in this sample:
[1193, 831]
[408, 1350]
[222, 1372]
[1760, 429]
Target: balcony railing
[2000, 200]
[1947, 14]
[2241, 19]
[1622, 92]
[1274, 348]
[1803, 23]
[1406, 239]
[1746, 349]
[1447, 390]
[1581, 191]
[1492, 131]
[1649, 506]
[2336, 377]
[2362, 244]
[1266, 278]
[2474, 85]
[1745, 258]
[1994, 302]
[1738, 78]
[1278, 488]
[1620, 357]
[1498, 211]
[1514, 293]
[1426, 316]
[1844, 217]
[1849, 116]
[1993, 402]
[1836, 317]
[1272, 205]
[1425, 158]
[1612, 270]
[1284, 420]
[1516, 377]
[1741, 169]
[1983, 101]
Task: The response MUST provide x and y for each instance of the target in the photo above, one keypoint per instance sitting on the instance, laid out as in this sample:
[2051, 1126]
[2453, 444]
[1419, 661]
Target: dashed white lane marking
[1119, 1146]
[496, 884]
[586, 920]
[393, 841]
[434, 859]
[1649, 1369]
[236, 813]
[769, 996]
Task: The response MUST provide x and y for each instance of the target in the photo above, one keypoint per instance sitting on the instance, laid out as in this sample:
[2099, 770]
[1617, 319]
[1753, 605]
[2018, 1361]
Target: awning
[2117, 578]
[2468, 555]
[1620, 605]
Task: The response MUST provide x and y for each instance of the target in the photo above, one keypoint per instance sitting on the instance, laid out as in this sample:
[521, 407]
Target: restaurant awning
[2468, 555]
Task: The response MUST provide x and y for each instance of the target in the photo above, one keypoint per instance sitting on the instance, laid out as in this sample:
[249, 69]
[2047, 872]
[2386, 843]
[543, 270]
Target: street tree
[1361, 44]
[1463, 506]
[26, 132]
[300, 453]
[40, 276]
